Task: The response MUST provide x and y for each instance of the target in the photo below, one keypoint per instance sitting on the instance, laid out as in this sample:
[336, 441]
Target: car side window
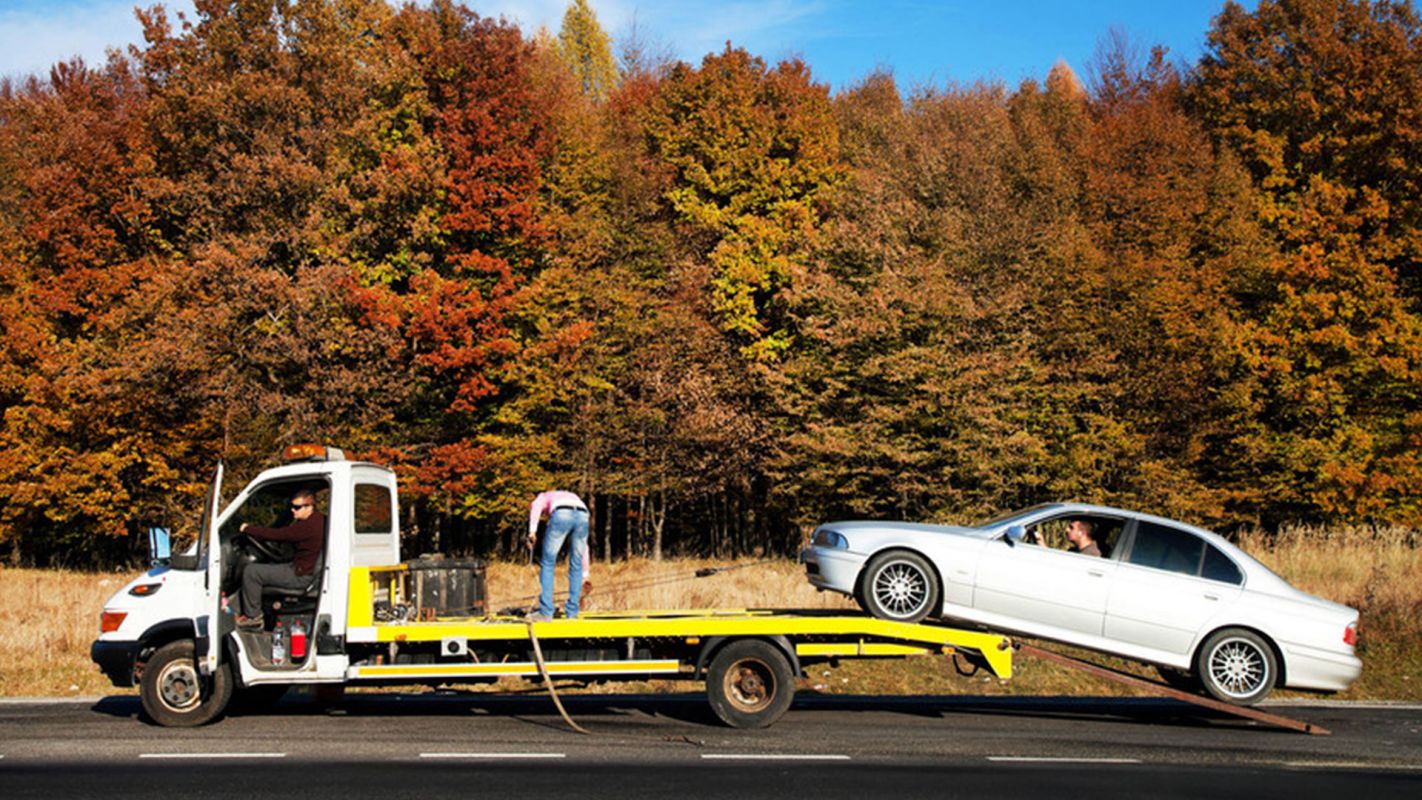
[1166, 548]
[1218, 567]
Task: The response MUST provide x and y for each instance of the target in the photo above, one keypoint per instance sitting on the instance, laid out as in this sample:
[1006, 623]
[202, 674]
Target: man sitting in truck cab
[308, 532]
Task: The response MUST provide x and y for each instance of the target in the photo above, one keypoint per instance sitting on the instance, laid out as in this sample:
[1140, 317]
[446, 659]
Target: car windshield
[1011, 516]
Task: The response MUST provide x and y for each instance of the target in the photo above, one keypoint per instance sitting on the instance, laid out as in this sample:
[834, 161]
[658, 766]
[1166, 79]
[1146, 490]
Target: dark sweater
[307, 534]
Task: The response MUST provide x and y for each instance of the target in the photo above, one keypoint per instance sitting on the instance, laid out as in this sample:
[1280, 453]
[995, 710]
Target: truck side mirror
[1014, 534]
[160, 546]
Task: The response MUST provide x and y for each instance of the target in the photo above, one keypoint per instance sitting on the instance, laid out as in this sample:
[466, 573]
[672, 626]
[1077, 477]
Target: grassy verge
[48, 618]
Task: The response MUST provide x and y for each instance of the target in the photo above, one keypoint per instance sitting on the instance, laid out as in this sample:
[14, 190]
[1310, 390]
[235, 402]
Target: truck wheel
[749, 684]
[171, 688]
[1237, 666]
[900, 586]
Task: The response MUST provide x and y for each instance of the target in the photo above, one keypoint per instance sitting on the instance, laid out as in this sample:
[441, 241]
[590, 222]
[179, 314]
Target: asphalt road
[402, 745]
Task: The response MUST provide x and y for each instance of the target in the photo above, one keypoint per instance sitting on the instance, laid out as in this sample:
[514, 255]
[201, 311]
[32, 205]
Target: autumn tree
[586, 49]
[1321, 98]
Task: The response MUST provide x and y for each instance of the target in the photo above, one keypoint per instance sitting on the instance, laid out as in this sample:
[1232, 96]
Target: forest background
[717, 300]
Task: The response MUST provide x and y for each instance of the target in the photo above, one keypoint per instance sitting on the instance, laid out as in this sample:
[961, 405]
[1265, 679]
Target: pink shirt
[546, 502]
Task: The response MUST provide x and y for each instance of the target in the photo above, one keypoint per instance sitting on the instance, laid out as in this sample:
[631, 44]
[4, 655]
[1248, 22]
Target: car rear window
[1218, 567]
[1166, 548]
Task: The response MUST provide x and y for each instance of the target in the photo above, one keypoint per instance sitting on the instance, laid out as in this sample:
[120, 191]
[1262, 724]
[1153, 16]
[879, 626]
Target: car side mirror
[1014, 534]
[160, 546]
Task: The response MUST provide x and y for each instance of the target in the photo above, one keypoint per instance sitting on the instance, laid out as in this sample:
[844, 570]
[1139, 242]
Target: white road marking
[212, 755]
[1063, 760]
[775, 756]
[1348, 765]
[493, 755]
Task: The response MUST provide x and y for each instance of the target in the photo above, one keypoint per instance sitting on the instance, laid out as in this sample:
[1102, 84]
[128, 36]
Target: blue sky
[920, 41]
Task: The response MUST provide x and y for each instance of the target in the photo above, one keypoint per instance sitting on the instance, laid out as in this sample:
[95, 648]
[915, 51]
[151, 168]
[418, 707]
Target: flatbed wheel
[749, 684]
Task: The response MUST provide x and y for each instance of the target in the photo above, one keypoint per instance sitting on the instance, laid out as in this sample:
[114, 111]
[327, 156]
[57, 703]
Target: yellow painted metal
[518, 668]
[862, 649]
[360, 607]
[862, 635]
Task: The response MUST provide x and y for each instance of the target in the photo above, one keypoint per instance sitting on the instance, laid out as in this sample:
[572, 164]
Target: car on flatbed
[1204, 612]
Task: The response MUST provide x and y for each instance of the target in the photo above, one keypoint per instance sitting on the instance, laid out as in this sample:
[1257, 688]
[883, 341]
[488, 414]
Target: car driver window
[1056, 534]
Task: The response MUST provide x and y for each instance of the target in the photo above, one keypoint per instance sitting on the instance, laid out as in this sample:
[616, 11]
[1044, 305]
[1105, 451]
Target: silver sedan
[1204, 612]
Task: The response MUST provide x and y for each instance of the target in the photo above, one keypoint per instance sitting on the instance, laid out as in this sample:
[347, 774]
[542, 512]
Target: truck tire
[1237, 666]
[749, 684]
[171, 689]
[900, 586]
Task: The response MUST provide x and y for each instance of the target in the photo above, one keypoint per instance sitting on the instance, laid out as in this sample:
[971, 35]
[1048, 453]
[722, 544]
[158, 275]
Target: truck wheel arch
[711, 646]
[159, 634]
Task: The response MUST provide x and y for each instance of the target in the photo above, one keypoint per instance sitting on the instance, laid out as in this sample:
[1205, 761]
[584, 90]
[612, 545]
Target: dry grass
[48, 618]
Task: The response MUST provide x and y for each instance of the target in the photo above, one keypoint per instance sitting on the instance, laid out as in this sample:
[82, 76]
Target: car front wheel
[900, 586]
[1237, 666]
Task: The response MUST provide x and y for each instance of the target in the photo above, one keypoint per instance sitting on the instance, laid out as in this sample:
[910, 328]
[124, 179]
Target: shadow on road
[691, 707]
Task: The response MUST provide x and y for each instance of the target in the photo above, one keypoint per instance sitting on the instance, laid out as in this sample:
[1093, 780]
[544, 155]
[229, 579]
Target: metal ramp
[1153, 687]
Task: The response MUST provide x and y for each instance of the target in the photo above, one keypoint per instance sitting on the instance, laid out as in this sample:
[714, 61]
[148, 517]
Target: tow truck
[377, 620]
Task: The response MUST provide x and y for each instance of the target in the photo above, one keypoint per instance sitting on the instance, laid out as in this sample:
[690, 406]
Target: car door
[1170, 583]
[1040, 589]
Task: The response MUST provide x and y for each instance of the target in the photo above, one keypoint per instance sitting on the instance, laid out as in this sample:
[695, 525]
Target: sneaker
[535, 616]
[249, 623]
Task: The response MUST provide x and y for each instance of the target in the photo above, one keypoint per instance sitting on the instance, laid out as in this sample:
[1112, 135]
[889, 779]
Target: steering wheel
[267, 552]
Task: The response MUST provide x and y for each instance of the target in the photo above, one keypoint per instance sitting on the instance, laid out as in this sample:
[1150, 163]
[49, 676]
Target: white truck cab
[167, 630]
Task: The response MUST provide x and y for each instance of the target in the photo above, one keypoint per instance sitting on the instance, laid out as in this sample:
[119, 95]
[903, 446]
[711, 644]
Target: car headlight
[828, 538]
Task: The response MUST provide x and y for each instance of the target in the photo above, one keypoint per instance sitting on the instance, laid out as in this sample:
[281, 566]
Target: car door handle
[1096, 573]
[1212, 597]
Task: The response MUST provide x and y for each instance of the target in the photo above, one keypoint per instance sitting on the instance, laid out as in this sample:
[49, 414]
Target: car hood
[851, 527]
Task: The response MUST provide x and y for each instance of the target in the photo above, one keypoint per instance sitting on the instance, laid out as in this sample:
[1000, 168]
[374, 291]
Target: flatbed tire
[172, 692]
[749, 684]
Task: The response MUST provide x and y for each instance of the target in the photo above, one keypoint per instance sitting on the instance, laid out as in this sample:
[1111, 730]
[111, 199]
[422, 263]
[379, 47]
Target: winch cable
[548, 681]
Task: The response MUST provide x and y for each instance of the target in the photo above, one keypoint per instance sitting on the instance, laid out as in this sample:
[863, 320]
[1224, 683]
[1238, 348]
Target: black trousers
[255, 576]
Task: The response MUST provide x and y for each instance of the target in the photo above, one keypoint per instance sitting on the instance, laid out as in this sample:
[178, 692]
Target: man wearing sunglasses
[307, 531]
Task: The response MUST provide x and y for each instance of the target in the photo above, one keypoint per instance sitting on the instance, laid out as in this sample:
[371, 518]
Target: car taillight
[109, 621]
[1350, 634]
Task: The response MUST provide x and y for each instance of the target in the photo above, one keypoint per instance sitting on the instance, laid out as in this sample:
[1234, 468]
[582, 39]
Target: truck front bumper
[115, 659]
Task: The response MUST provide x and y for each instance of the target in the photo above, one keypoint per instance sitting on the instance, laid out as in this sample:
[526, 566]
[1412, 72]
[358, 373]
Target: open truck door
[212, 623]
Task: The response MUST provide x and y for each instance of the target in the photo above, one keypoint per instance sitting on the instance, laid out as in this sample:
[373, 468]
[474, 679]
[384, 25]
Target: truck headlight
[825, 537]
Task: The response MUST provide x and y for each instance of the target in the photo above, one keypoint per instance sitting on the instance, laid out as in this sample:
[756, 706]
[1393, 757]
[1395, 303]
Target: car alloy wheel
[900, 585]
[1237, 666]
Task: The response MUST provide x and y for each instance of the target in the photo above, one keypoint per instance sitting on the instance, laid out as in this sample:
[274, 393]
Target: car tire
[1237, 666]
[900, 586]
[172, 691]
[749, 683]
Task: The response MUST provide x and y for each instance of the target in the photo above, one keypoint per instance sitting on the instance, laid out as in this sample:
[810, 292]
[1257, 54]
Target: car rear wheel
[900, 586]
[1237, 666]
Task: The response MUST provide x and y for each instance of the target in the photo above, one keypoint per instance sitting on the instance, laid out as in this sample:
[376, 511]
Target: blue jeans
[562, 522]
